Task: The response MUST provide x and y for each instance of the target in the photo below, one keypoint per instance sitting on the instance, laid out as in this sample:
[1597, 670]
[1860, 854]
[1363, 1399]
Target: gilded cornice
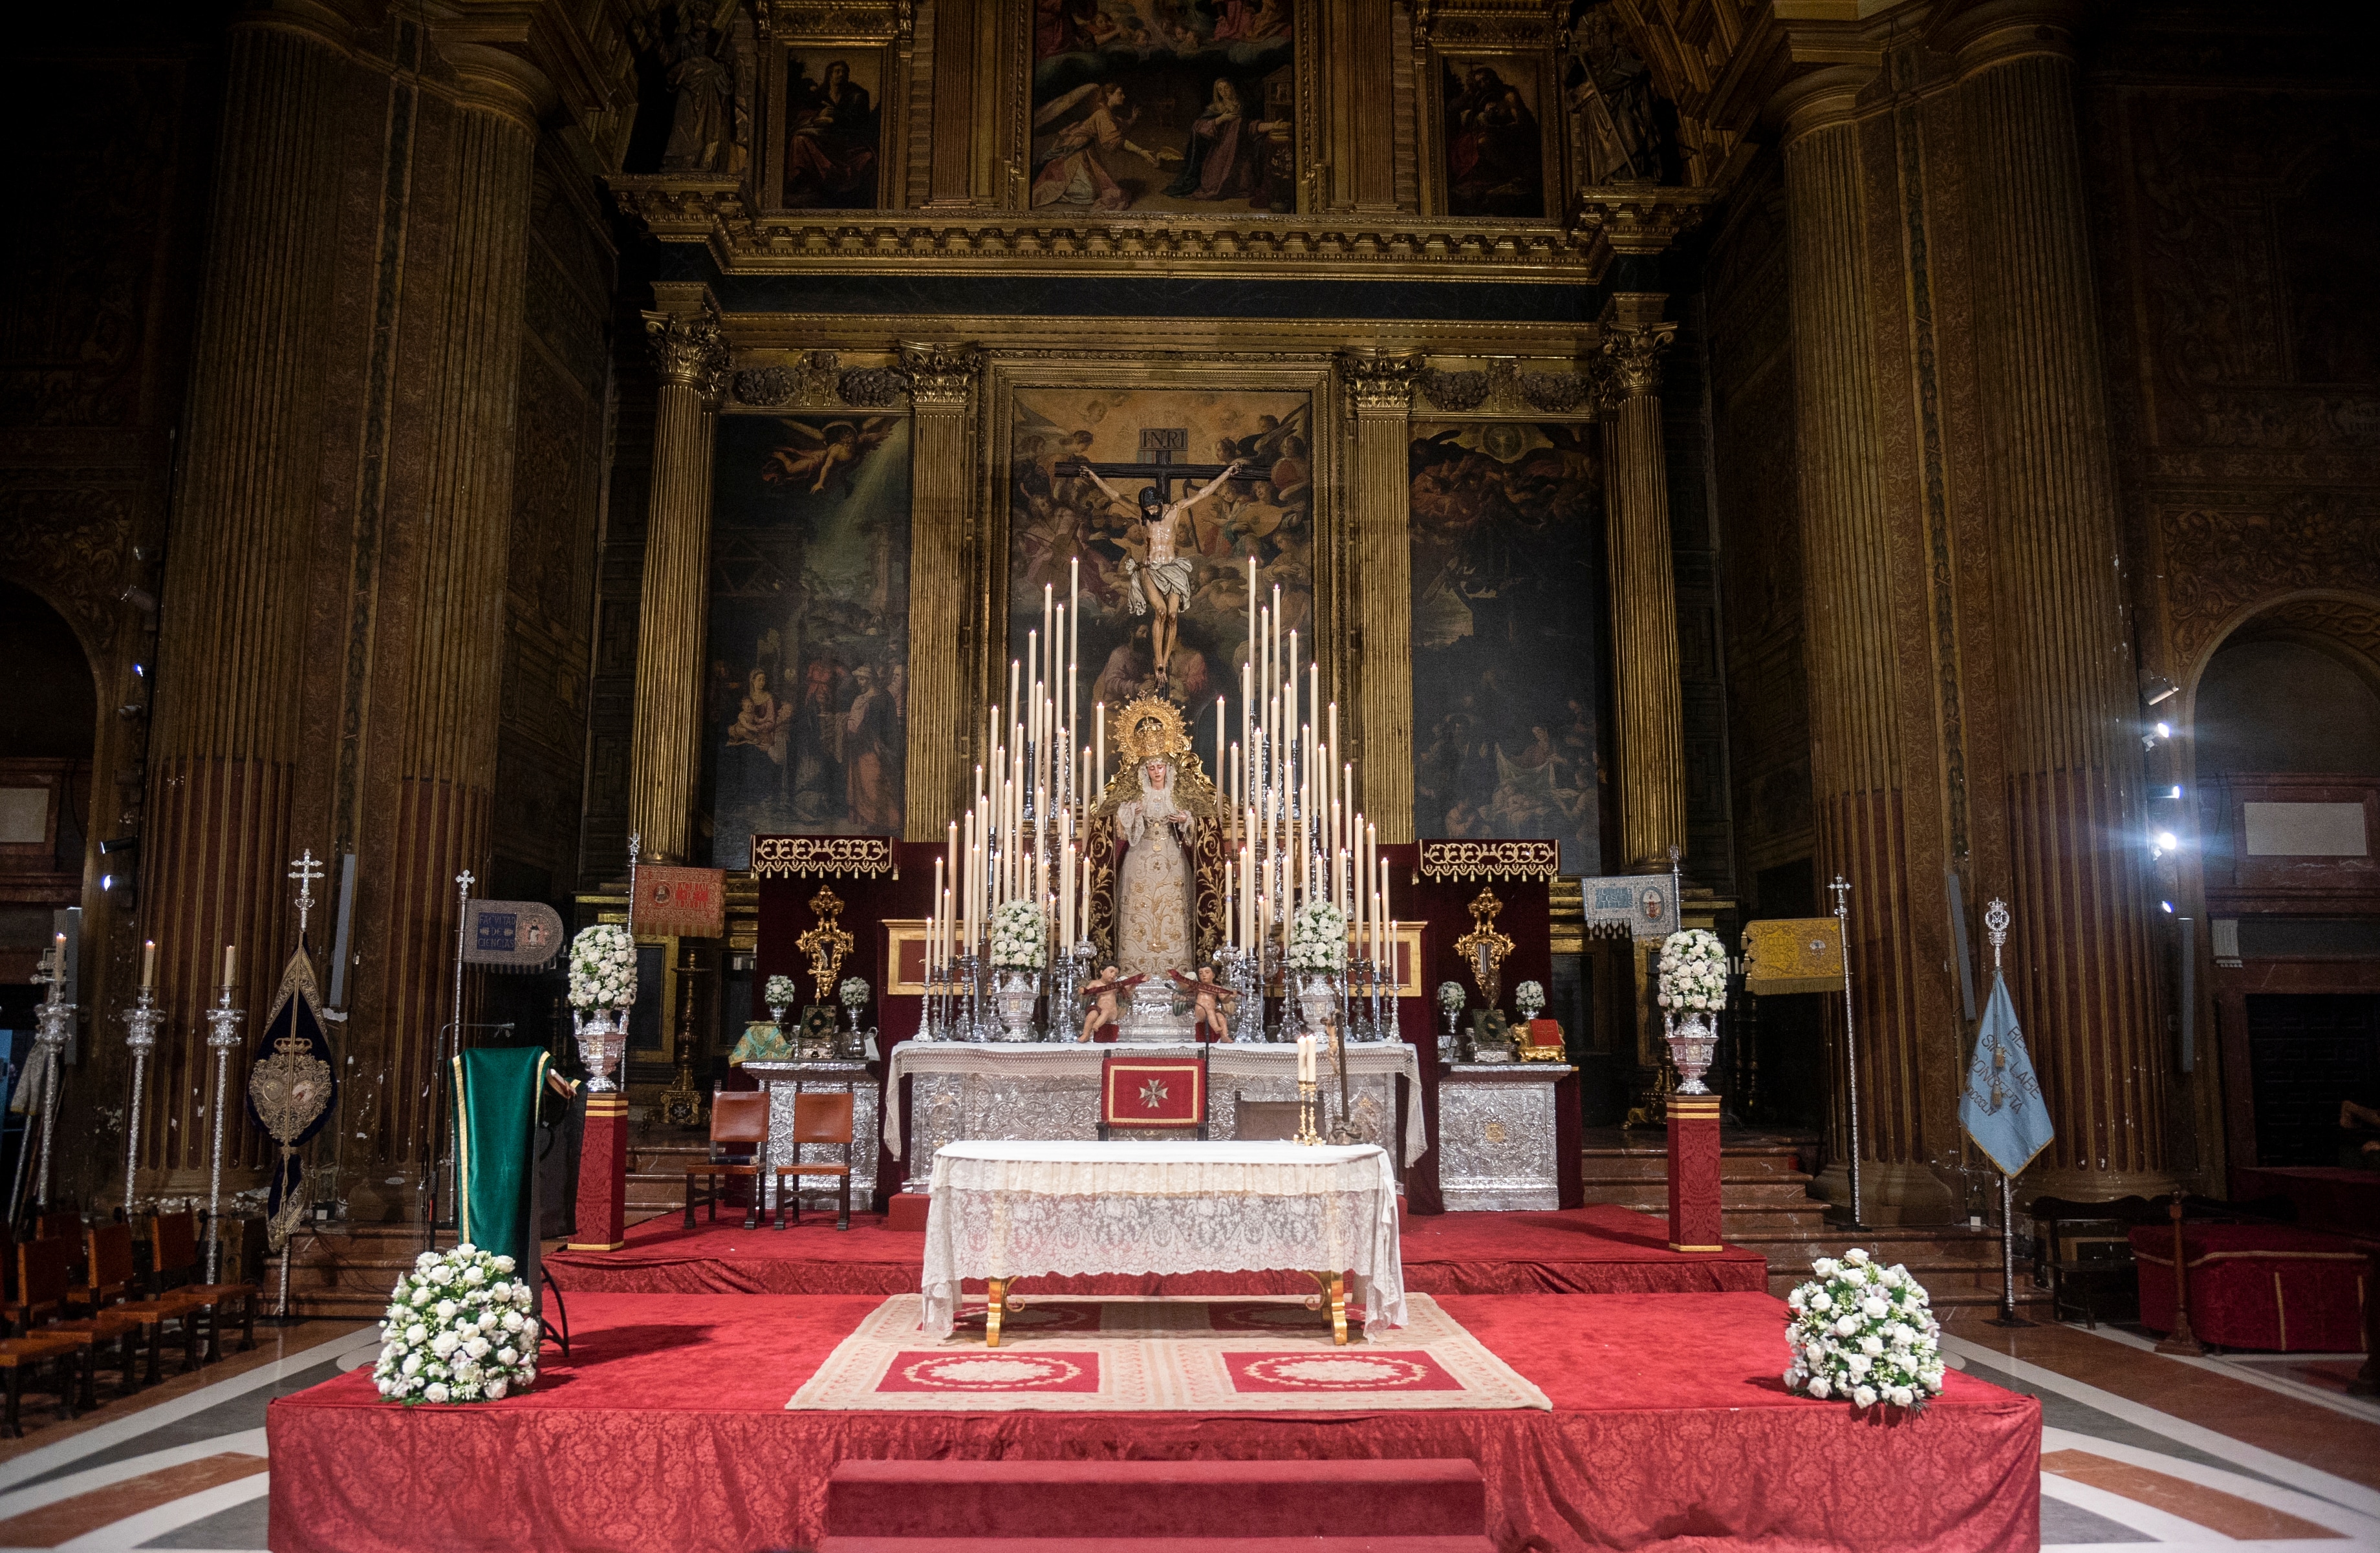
[1643, 219]
[715, 212]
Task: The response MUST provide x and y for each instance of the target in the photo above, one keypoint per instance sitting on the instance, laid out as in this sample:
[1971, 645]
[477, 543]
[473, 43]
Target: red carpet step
[1437, 1505]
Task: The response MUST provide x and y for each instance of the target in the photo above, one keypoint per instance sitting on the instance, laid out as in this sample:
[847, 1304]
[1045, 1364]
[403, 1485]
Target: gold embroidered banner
[1794, 954]
[823, 857]
[1491, 860]
[683, 903]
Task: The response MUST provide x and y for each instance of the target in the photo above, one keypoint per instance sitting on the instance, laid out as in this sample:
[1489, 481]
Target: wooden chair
[22, 1312]
[180, 1264]
[738, 1116]
[21, 1354]
[44, 1277]
[1263, 1120]
[109, 1284]
[821, 1118]
[2084, 1251]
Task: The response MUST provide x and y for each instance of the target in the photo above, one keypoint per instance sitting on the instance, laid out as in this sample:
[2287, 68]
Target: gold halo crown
[1169, 737]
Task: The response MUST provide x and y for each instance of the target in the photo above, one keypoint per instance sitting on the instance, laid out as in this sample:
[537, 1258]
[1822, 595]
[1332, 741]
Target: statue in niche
[1155, 848]
[1611, 91]
[700, 122]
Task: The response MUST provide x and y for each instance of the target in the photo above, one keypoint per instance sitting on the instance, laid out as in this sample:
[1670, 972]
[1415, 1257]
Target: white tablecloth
[1021, 1209]
[1226, 1061]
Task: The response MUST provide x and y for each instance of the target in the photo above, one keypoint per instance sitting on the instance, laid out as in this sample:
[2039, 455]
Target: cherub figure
[1104, 993]
[1206, 997]
[829, 453]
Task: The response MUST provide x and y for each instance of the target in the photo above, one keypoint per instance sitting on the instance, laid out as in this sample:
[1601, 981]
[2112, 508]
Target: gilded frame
[801, 26]
[1552, 139]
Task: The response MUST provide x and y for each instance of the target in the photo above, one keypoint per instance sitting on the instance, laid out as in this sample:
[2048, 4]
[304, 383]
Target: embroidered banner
[1642, 906]
[823, 857]
[512, 934]
[1491, 860]
[680, 902]
[1794, 954]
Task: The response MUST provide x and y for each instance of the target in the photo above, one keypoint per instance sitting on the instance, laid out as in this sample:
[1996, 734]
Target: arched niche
[49, 721]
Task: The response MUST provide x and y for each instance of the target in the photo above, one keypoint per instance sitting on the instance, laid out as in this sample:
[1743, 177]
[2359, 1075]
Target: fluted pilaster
[1645, 696]
[2080, 955]
[941, 395]
[692, 353]
[1847, 537]
[227, 735]
[1379, 390]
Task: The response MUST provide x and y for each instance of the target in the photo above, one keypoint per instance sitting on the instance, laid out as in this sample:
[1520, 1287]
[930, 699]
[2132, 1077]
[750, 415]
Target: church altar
[1050, 1091]
[783, 1081]
[1496, 1137]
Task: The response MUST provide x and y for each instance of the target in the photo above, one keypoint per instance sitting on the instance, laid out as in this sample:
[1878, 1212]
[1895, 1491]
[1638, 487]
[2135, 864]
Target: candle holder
[140, 1039]
[223, 1038]
[54, 1024]
[1306, 1090]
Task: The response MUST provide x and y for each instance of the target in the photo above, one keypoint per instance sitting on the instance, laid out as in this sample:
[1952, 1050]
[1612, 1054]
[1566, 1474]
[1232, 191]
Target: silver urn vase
[1317, 999]
[1694, 1039]
[1014, 992]
[602, 1040]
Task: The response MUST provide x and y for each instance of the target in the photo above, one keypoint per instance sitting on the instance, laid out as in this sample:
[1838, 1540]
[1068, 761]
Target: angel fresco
[824, 456]
[1075, 167]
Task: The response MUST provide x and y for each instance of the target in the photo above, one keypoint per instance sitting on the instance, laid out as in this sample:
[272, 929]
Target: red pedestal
[1694, 1173]
[603, 1175]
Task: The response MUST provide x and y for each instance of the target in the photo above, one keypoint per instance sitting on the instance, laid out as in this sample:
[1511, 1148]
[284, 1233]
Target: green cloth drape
[495, 1133]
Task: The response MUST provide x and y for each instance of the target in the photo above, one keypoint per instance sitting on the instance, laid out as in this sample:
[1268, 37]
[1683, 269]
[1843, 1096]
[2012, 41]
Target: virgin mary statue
[1157, 850]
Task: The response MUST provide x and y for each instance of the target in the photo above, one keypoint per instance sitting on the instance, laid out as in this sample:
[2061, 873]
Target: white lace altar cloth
[1021, 1209]
[1227, 1062]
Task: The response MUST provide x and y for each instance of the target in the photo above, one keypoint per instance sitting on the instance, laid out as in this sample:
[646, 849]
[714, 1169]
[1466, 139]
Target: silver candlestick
[222, 1039]
[53, 1026]
[140, 1039]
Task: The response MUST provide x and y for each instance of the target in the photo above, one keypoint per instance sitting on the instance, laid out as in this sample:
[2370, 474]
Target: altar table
[1004, 1210]
[1051, 1090]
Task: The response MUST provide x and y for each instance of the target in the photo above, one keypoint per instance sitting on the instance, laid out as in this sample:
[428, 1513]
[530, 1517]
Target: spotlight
[140, 599]
[2158, 689]
[141, 670]
[117, 845]
[2177, 790]
[2166, 839]
[2169, 907]
[2164, 732]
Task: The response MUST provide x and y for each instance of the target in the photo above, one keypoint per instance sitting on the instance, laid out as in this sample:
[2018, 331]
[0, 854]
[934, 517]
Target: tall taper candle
[231, 960]
[148, 965]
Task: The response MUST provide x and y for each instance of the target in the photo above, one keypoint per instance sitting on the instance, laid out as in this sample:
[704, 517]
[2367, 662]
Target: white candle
[1218, 730]
[1100, 743]
[148, 965]
[231, 960]
[1074, 641]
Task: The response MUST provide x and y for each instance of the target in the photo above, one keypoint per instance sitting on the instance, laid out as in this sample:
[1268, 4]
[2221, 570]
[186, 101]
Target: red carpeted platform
[668, 1431]
[1597, 1250]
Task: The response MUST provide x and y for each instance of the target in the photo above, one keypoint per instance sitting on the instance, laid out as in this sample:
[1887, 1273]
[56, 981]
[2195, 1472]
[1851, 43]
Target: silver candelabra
[140, 1039]
[222, 1039]
[53, 1026]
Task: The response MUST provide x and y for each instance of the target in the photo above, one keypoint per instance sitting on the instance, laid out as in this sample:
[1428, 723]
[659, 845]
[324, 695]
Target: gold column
[2075, 820]
[1644, 592]
[692, 353]
[227, 733]
[942, 480]
[1847, 525]
[1380, 389]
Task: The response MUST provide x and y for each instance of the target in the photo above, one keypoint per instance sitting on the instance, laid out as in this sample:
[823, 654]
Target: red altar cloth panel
[2327, 1197]
[669, 1431]
[2268, 1286]
[1152, 1091]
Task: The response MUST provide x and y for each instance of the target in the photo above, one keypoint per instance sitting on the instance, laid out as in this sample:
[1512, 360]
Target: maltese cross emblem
[1152, 1093]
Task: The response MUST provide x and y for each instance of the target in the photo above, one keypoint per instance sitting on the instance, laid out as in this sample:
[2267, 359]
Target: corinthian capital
[690, 349]
[940, 374]
[1379, 380]
[1635, 352]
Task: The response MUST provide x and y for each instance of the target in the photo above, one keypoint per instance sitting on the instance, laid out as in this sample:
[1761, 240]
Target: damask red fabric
[2266, 1286]
[1696, 1209]
[1600, 1250]
[668, 1431]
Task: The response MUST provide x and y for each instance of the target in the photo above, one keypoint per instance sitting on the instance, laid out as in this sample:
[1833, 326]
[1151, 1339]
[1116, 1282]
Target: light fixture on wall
[2156, 689]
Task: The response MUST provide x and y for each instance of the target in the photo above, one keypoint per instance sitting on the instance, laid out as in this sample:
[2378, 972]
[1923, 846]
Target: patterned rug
[1082, 1354]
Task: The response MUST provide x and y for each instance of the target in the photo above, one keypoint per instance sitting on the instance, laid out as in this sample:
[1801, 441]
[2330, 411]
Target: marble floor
[2266, 1452]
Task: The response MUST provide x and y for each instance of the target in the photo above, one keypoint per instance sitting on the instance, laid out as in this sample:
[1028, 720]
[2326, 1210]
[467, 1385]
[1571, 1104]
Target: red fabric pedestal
[1694, 1173]
[2267, 1286]
[906, 1212]
[667, 1432]
[603, 1175]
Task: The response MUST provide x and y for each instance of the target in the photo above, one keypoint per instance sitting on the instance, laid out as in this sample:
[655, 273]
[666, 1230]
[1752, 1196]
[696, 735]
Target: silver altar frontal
[1496, 1137]
[1047, 1091]
[783, 1081]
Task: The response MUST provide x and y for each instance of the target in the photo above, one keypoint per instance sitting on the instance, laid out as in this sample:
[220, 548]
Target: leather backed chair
[822, 1117]
[737, 1117]
[109, 1284]
[21, 1356]
[45, 1277]
[179, 1269]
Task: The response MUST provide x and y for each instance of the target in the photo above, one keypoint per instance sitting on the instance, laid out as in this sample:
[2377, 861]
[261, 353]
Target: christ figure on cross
[1160, 580]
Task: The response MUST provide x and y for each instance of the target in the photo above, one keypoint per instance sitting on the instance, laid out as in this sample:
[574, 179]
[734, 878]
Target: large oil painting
[1164, 105]
[1508, 633]
[1495, 146]
[834, 148]
[1081, 463]
[806, 726]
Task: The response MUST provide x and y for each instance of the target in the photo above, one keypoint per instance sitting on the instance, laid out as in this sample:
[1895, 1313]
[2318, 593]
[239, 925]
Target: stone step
[1653, 1164]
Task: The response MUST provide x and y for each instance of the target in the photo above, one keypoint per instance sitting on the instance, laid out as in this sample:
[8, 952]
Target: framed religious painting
[831, 150]
[1138, 107]
[1492, 152]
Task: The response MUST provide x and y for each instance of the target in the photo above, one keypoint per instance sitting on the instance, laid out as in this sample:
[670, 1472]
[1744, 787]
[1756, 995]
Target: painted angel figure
[824, 454]
[1206, 997]
[1073, 168]
[1160, 581]
[1104, 994]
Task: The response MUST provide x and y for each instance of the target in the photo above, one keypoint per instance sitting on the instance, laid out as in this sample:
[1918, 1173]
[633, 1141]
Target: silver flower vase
[602, 1040]
[1014, 992]
[1317, 999]
[1694, 1039]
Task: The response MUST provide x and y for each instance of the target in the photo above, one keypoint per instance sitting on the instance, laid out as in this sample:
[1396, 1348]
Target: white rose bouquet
[602, 968]
[779, 992]
[1529, 997]
[1449, 995]
[458, 1330]
[1019, 942]
[1694, 971]
[853, 991]
[1864, 1333]
[1318, 938]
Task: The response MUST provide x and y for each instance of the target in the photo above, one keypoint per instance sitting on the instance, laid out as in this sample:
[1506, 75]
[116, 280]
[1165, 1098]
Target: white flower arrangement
[1449, 995]
[779, 992]
[853, 991]
[458, 1330]
[1694, 971]
[602, 968]
[1318, 938]
[1865, 1333]
[1018, 941]
[1529, 997]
